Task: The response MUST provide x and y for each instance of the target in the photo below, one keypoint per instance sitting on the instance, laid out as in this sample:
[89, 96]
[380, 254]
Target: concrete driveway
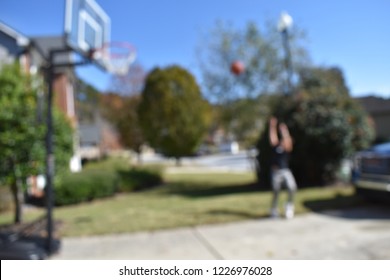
[360, 233]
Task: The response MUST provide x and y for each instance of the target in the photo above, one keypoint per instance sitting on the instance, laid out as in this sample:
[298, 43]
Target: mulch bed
[36, 228]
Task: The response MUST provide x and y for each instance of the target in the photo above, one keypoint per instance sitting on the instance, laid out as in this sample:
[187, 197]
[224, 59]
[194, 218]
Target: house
[97, 139]
[64, 77]
[90, 139]
[32, 54]
[379, 109]
[13, 46]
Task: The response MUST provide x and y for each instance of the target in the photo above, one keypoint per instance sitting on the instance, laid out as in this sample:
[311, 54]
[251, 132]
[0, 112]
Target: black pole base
[25, 248]
[54, 247]
[14, 246]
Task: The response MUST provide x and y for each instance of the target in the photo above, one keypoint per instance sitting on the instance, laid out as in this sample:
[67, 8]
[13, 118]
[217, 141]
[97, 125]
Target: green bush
[87, 185]
[137, 179]
[103, 179]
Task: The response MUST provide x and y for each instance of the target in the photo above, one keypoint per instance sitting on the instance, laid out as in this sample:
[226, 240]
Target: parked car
[371, 172]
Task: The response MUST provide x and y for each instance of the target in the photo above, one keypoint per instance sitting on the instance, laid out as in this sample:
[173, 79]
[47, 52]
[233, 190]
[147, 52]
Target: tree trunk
[18, 199]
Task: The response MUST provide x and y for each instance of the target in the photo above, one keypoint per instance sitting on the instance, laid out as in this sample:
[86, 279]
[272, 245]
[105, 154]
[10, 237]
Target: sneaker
[289, 211]
[274, 213]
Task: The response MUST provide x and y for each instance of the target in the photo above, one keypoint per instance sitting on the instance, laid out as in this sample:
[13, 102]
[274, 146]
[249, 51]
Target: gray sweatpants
[280, 178]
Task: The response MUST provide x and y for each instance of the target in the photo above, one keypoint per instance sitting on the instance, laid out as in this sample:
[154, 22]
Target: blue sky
[354, 35]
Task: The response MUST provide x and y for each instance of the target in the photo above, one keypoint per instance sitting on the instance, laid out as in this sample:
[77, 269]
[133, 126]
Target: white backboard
[87, 26]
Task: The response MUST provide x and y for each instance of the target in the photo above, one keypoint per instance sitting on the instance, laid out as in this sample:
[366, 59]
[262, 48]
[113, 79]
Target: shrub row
[95, 183]
[74, 188]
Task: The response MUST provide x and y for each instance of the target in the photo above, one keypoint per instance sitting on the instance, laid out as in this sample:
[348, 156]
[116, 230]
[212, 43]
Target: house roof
[375, 105]
[45, 44]
[21, 39]
[42, 44]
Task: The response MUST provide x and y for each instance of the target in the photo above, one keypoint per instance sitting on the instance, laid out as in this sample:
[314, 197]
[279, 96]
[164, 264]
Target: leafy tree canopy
[173, 114]
[21, 147]
[261, 52]
[122, 112]
[87, 102]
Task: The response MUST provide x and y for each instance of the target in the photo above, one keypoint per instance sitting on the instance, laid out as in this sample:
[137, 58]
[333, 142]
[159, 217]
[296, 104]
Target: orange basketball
[237, 67]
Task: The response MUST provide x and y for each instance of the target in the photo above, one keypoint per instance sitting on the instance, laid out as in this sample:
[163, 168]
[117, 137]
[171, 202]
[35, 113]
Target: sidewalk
[333, 235]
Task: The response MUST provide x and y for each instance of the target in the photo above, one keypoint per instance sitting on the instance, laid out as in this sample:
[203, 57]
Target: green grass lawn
[187, 200]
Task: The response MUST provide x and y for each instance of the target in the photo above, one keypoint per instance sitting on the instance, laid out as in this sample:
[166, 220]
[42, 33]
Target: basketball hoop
[116, 57]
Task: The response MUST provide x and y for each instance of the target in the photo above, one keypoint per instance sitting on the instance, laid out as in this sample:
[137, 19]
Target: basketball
[237, 67]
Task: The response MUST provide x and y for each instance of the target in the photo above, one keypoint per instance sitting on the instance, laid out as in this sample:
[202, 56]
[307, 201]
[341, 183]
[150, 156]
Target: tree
[327, 125]
[121, 107]
[87, 102]
[63, 140]
[243, 119]
[324, 80]
[129, 127]
[122, 112]
[173, 114]
[238, 95]
[22, 150]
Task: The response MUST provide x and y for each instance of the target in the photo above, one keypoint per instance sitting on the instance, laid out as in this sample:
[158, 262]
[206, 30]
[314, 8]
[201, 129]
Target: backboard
[87, 27]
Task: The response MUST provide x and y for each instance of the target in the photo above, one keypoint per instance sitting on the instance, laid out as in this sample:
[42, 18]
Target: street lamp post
[285, 22]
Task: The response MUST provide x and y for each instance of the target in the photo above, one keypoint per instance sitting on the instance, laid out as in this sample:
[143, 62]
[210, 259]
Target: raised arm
[273, 133]
[286, 138]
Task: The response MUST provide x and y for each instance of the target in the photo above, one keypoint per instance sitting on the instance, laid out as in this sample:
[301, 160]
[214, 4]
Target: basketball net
[116, 57]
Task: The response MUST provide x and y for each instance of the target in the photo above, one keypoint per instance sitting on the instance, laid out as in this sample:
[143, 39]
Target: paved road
[225, 162]
[361, 233]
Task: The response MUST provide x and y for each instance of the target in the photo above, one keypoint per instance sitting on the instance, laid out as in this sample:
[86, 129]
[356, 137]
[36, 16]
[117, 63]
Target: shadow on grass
[349, 207]
[198, 190]
[139, 179]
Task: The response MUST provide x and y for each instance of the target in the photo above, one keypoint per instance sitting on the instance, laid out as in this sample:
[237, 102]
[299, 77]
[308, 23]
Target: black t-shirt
[279, 157]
